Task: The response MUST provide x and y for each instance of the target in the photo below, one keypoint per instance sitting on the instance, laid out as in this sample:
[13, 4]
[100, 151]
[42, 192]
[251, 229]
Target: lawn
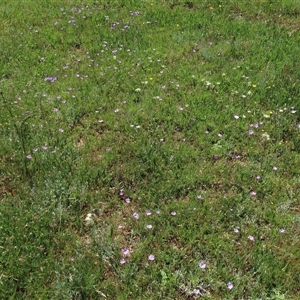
[149, 149]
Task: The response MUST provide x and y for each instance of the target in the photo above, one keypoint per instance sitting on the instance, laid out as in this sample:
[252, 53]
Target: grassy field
[149, 149]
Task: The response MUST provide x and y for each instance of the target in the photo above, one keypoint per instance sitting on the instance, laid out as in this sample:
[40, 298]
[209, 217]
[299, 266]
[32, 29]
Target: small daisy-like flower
[236, 229]
[149, 226]
[236, 117]
[60, 130]
[148, 212]
[122, 261]
[275, 168]
[29, 156]
[282, 230]
[253, 193]
[116, 110]
[158, 212]
[251, 238]
[199, 196]
[202, 265]
[257, 177]
[230, 285]
[136, 215]
[173, 213]
[151, 257]
[250, 132]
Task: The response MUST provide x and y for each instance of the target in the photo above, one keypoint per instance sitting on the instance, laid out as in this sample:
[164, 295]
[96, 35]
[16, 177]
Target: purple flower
[202, 265]
[282, 230]
[50, 78]
[125, 252]
[136, 215]
[127, 200]
[251, 238]
[196, 291]
[253, 193]
[250, 132]
[230, 285]
[148, 212]
[29, 156]
[122, 261]
[151, 257]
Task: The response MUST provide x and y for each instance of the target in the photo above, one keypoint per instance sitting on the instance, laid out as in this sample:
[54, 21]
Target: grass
[149, 150]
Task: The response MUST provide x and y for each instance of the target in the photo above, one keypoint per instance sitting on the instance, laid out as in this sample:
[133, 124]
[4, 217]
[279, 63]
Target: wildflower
[125, 252]
[202, 265]
[127, 200]
[149, 226]
[199, 196]
[151, 257]
[253, 193]
[275, 168]
[236, 229]
[251, 238]
[236, 117]
[116, 110]
[148, 212]
[158, 212]
[282, 230]
[265, 136]
[196, 291]
[60, 130]
[122, 261]
[138, 90]
[250, 132]
[50, 78]
[136, 215]
[29, 156]
[173, 213]
[89, 219]
[230, 285]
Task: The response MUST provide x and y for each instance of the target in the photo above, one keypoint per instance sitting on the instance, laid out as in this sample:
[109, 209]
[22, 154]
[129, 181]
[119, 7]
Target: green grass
[183, 113]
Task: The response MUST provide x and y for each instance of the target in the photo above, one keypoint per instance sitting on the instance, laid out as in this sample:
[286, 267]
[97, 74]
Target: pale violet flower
[230, 285]
[151, 257]
[202, 265]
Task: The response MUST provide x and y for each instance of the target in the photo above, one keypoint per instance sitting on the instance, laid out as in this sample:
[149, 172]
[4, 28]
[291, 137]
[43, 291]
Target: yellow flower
[254, 85]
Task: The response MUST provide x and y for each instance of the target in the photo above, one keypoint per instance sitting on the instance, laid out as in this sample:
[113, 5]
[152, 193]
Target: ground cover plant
[149, 149]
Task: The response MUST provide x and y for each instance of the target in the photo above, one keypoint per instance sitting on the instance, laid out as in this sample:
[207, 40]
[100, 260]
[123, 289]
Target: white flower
[89, 220]
[265, 136]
